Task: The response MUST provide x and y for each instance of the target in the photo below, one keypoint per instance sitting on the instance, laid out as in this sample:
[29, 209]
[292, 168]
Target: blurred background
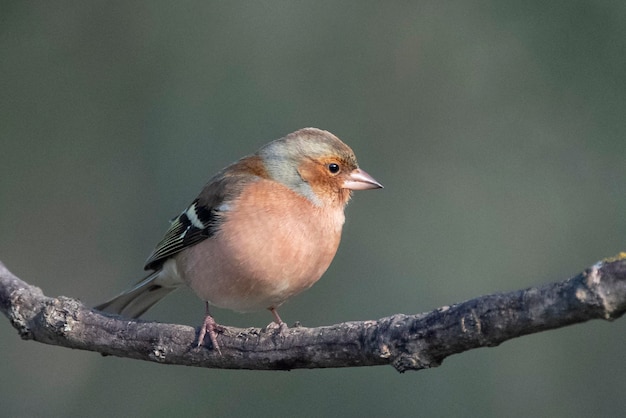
[497, 127]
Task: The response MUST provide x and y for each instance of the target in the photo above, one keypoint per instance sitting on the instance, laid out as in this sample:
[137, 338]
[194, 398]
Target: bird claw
[278, 325]
[276, 328]
[211, 328]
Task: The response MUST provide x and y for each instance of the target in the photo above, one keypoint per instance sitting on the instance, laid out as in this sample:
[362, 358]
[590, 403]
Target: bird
[262, 230]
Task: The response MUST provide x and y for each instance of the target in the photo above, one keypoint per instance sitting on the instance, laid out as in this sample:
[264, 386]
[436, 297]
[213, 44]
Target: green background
[497, 127]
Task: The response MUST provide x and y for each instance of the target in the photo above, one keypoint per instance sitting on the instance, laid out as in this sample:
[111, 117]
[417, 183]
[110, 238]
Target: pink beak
[360, 180]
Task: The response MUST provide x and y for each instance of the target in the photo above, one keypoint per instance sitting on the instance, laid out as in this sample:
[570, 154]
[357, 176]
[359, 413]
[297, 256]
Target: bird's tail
[141, 297]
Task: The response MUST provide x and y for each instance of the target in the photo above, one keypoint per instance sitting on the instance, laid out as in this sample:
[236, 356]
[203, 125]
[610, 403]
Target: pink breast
[268, 249]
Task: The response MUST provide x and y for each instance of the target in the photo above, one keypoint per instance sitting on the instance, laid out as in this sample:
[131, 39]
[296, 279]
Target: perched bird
[262, 230]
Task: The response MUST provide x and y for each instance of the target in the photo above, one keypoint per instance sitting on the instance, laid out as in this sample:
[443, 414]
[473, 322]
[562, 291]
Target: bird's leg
[276, 317]
[277, 323]
[209, 327]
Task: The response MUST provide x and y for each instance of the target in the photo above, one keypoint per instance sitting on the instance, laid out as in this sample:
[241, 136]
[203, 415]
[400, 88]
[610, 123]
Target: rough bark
[407, 342]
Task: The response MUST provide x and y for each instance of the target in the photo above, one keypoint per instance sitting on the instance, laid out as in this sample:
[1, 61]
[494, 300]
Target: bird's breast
[273, 243]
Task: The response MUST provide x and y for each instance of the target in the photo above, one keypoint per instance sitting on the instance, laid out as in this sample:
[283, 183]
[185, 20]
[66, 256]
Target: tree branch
[408, 342]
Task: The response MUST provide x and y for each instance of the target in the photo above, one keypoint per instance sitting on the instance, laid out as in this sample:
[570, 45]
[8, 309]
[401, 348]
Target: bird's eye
[333, 168]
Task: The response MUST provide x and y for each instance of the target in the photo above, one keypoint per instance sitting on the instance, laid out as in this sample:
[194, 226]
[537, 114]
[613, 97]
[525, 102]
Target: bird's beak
[360, 180]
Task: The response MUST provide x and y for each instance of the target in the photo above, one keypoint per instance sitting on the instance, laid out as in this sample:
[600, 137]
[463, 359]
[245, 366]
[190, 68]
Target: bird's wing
[205, 215]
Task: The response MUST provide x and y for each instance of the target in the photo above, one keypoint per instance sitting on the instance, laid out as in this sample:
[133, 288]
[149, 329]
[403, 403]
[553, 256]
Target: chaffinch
[262, 230]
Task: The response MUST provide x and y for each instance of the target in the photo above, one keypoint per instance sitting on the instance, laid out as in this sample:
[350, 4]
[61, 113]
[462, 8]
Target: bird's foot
[211, 328]
[276, 329]
[279, 325]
